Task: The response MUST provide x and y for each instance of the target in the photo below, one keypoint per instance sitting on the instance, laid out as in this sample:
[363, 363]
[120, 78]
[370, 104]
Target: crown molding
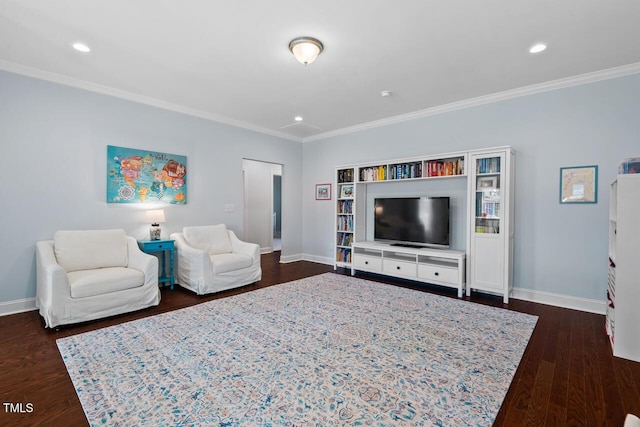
[581, 79]
[141, 99]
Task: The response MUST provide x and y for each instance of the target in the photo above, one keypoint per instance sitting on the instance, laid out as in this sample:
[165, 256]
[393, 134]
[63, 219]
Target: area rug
[322, 351]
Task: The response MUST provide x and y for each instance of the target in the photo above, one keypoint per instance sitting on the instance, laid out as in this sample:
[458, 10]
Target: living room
[54, 137]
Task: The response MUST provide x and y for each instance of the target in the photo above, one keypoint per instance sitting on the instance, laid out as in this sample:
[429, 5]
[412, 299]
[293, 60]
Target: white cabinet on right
[623, 314]
[490, 234]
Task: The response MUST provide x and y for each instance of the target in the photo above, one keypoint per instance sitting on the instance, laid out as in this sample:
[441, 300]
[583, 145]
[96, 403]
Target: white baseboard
[565, 301]
[318, 259]
[290, 258]
[17, 306]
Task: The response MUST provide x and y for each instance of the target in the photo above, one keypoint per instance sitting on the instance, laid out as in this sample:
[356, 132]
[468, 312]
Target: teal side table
[164, 246]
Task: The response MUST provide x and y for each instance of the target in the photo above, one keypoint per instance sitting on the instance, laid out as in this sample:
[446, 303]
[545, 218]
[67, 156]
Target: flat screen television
[412, 221]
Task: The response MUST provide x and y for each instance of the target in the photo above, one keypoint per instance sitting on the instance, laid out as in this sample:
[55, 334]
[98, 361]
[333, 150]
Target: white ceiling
[229, 60]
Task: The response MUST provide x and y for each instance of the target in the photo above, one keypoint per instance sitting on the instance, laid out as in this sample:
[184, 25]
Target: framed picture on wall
[323, 191]
[579, 184]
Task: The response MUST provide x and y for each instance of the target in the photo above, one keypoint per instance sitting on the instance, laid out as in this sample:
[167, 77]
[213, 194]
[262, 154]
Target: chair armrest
[193, 263]
[146, 263]
[51, 279]
[241, 247]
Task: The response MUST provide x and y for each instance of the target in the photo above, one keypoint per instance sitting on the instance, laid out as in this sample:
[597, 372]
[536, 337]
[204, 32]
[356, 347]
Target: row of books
[413, 170]
[345, 175]
[343, 255]
[373, 173]
[488, 229]
[406, 170]
[445, 167]
[345, 206]
[345, 239]
[489, 165]
[484, 209]
[345, 223]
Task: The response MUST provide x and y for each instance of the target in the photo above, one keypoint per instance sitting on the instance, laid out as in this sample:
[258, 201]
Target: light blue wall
[53, 141]
[560, 249]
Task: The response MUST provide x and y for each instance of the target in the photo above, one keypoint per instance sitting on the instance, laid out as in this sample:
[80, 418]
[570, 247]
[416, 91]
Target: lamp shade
[155, 216]
[306, 49]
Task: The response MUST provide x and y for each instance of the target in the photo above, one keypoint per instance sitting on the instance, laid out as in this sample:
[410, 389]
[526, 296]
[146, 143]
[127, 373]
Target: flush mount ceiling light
[81, 47]
[537, 48]
[306, 49]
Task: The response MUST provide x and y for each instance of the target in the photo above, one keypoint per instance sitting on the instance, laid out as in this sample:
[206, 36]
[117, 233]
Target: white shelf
[623, 288]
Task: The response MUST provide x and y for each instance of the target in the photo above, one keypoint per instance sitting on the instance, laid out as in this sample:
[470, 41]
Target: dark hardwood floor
[567, 375]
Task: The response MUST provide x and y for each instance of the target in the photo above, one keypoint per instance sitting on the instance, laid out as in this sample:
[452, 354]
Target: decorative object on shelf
[323, 191]
[631, 165]
[306, 49]
[155, 217]
[487, 182]
[579, 184]
[346, 192]
[142, 176]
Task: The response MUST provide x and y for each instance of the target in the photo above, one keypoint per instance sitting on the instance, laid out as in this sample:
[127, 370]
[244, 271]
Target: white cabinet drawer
[369, 263]
[399, 268]
[441, 274]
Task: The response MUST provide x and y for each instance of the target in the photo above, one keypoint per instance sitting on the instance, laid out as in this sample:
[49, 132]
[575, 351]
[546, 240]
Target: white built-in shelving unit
[623, 291]
[489, 221]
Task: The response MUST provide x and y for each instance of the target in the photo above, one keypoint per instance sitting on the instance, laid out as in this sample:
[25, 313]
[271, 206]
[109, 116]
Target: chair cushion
[223, 263]
[213, 239]
[88, 283]
[88, 249]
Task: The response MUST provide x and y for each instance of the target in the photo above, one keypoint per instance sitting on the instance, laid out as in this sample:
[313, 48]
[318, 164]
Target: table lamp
[155, 217]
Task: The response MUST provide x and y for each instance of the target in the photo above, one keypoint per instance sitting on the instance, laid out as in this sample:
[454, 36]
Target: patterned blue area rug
[325, 350]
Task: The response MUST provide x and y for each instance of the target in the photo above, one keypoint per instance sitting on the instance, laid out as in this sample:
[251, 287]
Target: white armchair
[87, 275]
[212, 259]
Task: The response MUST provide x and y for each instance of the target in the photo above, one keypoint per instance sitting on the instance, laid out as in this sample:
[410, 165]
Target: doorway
[277, 212]
[263, 204]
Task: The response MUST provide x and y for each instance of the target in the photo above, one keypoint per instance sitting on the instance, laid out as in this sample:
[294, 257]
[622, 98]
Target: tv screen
[412, 221]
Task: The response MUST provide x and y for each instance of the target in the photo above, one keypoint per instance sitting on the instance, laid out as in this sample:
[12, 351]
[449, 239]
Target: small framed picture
[487, 182]
[346, 192]
[323, 191]
[579, 184]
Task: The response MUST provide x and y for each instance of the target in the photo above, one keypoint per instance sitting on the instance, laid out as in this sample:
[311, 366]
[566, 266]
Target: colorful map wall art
[141, 176]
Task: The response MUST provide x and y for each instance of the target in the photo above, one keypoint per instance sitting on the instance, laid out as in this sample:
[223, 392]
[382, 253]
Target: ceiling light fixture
[537, 48]
[81, 47]
[306, 49]
[298, 118]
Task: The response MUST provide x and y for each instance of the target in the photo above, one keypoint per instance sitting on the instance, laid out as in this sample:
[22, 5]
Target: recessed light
[537, 48]
[298, 118]
[385, 93]
[81, 47]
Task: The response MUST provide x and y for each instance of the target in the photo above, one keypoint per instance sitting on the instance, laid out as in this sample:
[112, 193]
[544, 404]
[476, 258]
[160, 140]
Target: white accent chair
[90, 274]
[212, 259]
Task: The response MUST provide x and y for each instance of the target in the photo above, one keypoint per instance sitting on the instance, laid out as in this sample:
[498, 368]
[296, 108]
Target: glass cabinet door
[488, 195]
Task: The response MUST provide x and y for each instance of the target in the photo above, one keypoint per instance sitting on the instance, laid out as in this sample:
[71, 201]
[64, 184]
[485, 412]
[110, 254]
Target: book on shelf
[345, 175]
[343, 255]
[345, 223]
[488, 165]
[447, 167]
[345, 206]
[373, 173]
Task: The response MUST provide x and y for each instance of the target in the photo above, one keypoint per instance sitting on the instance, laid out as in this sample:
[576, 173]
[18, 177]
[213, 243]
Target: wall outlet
[229, 207]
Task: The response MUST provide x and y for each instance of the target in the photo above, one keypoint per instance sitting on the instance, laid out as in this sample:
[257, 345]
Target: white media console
[436, 266]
